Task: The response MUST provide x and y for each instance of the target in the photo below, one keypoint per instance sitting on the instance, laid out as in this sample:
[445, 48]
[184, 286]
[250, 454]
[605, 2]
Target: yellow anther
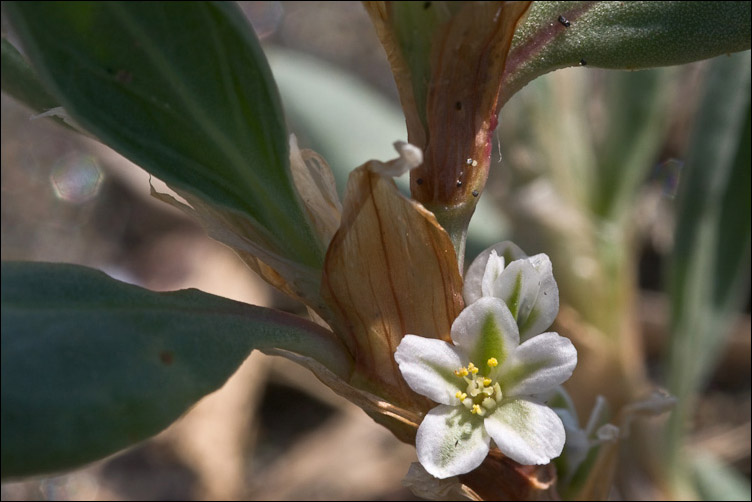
[476, 409]
[460, 395]
[493, 362]
[462, 372]
[472, 368]
[487, 381]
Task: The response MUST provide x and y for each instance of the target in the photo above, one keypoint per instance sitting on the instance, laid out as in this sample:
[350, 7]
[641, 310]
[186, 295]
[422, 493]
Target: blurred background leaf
[589, 179]
[710, 265]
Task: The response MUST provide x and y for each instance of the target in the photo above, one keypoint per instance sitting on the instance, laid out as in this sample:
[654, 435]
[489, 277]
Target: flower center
[482, 393]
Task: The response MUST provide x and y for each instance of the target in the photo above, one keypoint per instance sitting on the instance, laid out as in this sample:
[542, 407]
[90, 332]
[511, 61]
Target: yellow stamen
[462, 372]
[472, 368]
[493, 362]
[476, 409]
[460, 395]
[487, 381]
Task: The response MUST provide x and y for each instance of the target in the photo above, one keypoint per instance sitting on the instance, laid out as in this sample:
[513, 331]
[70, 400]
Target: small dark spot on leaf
[583, 62]
[426, 5]
[109, 70]
[564, 21]
[458, 105]
[166, 357]
[459, 183]
[419, 181]
[124, 76]
[475, 193]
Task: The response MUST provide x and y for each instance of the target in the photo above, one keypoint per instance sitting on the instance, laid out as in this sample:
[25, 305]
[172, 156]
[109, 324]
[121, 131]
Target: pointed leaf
[183, 90]
[91, 365]
[20, 80]
[622, 35]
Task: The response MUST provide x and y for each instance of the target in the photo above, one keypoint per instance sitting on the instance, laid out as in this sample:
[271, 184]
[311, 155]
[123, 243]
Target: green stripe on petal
[514, 298]
[538, 365]
[527, 432]
[484, 330]
[451, 441]
[518, 286]
[472, 288]
[428, 365]
[491, 344]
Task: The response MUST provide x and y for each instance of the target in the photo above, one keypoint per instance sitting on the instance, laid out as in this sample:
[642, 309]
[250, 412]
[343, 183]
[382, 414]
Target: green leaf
[709, 269]
[21, 81]
[91, 365]
[623, 35]
[183, 90]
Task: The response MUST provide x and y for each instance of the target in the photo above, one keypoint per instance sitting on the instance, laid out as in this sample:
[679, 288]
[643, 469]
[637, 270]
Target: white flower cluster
[487, 383]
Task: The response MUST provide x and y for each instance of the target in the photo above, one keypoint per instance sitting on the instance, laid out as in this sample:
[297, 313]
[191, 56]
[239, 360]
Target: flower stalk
[448, 59]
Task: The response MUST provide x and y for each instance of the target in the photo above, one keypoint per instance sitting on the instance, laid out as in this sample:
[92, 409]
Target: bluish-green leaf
[20, 80]
[91, 365]
[622, 35]
[183, 90]
[709, 269]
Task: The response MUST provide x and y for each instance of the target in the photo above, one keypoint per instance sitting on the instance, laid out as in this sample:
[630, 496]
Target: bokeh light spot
[76, 178]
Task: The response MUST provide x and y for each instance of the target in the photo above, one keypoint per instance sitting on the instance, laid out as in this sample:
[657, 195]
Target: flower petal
[484, 330]
[527, 432]
[428, 365]
[451, 441]
[518, 287]
[546, 305]
[538, 365]
[494, 268]
[474, 276]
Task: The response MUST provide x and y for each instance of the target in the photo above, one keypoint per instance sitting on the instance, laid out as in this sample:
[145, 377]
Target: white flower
[484, 385]
[526, 285]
